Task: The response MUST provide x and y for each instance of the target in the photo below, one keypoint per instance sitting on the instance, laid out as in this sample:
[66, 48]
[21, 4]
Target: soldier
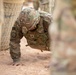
[33, 25]
[62, 31]
[42, 4]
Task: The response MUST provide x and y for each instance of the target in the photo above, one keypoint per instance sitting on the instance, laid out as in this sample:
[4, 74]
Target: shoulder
[46, 16]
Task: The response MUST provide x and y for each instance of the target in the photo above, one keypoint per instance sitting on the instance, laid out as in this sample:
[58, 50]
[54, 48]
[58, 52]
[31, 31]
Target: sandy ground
[34, 62]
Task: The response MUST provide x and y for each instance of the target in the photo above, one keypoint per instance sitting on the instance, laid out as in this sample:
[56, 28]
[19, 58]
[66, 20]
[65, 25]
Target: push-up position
[33, 25]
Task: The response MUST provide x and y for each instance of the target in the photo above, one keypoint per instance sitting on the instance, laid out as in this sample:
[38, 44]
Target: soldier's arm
[15, 37]
[36, 4]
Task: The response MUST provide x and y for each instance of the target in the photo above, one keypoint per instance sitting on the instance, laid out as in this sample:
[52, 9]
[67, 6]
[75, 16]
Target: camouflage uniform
[43, 4]
[33, 25]
[63, 30]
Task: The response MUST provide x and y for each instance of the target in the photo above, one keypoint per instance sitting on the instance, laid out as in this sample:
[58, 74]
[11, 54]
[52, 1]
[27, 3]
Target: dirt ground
[34, 62]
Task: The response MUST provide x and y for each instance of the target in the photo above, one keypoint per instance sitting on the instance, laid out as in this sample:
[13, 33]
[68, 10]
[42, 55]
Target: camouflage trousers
[63, 44]
[63, 60]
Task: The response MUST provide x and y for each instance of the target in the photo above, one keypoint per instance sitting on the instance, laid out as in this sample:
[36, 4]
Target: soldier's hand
[17, 64]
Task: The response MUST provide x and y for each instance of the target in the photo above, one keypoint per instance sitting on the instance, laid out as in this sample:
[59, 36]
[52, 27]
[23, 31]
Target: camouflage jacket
[34, 26]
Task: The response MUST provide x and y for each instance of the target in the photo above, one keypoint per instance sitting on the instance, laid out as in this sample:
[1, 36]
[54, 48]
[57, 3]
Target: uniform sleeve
[15, 37]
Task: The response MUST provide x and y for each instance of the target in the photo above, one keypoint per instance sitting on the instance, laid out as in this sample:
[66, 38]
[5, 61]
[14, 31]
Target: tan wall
[1, 19]
[12, 9]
